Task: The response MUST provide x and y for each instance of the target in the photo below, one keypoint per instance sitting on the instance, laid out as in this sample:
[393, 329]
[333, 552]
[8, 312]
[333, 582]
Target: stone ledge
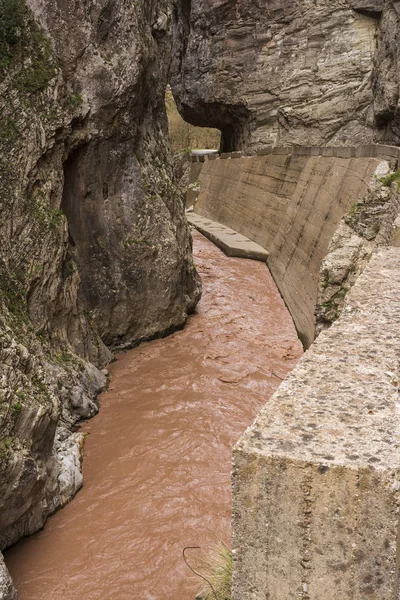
[391, 153]
[317, 476]
[229, 241]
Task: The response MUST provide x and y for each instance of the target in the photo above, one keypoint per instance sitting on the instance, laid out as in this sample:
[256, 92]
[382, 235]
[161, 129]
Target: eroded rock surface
[387, 73]
[94, 247]
[308, 73]
[368, 225]
[7, 591]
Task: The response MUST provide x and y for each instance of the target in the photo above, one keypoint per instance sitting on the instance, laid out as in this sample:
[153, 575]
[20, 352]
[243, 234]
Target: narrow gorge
[158, 460]
[96, 259]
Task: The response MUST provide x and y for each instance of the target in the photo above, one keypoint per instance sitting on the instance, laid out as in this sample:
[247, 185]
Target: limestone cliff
[283, 73]
[94, 247]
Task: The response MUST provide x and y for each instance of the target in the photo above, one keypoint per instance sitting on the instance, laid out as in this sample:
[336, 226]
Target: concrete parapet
[264, 151]
[371, 151]
[316, 479]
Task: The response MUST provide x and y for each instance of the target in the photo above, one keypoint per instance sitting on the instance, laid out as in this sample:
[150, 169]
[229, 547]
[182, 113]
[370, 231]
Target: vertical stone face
[387, 73]
[282, 73]
[316, 478]
[94, 247]
[127, 230]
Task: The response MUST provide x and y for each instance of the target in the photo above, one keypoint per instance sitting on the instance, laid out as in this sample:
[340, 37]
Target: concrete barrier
[289, 203]
[316, 479]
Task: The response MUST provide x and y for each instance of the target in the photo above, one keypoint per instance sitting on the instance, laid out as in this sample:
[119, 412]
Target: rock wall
[7, 590]
[281, 73]
[291, 205]
[94, 247]
[368, 225]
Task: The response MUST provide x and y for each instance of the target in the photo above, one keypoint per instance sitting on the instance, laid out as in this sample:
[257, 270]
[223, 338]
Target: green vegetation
[75, 100]
[39, 383]
[68, 269]
[64, 357]
[13, 16]
[13, 294]
[5, 447]
[46, 218]
[184, 136]
[217, 569]
[9, 133]
[56, 217]
[16, 408]
[138, 241]
[391, 178]
[24, 47]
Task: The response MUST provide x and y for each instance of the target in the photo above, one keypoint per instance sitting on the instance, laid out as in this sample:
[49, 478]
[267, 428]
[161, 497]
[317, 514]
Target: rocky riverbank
[95, 251]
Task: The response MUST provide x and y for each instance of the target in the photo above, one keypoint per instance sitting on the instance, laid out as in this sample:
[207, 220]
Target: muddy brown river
[158, 457]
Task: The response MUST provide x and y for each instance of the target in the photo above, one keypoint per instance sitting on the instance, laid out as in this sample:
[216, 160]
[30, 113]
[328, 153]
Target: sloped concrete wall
[290, 201]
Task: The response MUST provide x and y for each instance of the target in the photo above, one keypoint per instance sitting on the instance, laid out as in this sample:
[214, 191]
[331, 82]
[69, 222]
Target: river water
[158, 457]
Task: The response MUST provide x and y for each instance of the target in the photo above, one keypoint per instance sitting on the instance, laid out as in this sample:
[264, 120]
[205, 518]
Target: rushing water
[158, 458]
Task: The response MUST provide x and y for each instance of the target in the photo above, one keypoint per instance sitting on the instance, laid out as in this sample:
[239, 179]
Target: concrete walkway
[230, 242]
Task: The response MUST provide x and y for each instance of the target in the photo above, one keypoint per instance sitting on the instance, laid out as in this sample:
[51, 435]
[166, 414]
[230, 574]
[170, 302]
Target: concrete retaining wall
[290, 202]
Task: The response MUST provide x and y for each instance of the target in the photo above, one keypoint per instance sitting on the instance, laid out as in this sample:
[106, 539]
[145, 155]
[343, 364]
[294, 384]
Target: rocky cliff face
[369, 225]
[283, 73]
[386, 77]
[94, 247]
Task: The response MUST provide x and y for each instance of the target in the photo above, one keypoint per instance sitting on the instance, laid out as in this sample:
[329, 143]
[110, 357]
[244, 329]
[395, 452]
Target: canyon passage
[158, 458]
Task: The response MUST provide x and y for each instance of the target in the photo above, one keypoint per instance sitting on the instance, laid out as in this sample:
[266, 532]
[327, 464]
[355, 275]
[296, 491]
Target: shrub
[217, 569]
[12, 19]
[391, 178]
[24, 46]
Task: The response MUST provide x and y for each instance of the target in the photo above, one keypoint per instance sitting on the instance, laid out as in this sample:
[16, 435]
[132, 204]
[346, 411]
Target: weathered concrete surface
[291, 205]
[231, 242]
[316, 480]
